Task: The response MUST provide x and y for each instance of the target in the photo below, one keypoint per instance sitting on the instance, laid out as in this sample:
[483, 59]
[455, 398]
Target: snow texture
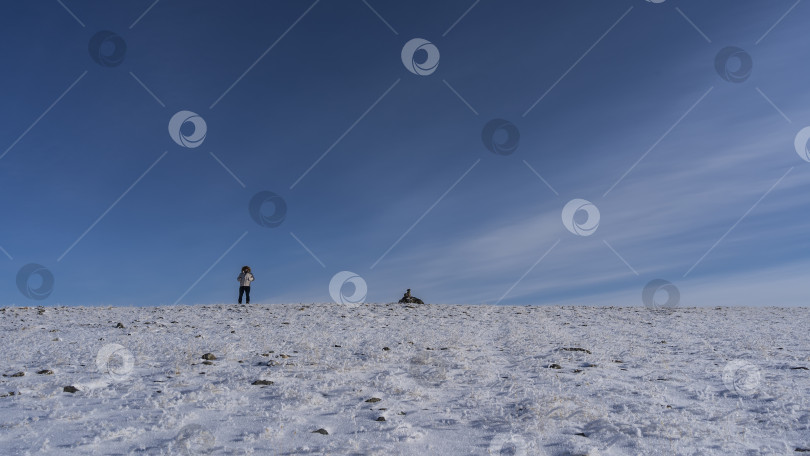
[451, 380]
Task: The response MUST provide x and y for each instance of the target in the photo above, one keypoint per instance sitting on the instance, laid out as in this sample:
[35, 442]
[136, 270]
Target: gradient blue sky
[653, 70]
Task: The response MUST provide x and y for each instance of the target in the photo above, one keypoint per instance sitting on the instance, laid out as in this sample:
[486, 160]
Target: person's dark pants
[246, 291]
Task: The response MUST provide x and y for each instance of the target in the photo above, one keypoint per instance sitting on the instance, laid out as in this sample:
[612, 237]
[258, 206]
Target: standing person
[245, 277]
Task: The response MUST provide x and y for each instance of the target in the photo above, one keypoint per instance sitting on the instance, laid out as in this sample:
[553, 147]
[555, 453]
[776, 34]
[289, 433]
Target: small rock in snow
[576, 349]
[70, 389]
[321, 431]
[45, 372]
[209, 357]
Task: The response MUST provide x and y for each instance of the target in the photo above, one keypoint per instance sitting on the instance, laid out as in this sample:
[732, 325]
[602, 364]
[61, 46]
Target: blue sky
[696, 178]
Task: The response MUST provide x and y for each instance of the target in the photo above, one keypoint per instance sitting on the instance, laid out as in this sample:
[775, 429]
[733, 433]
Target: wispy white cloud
[666, 214]
[780, 286]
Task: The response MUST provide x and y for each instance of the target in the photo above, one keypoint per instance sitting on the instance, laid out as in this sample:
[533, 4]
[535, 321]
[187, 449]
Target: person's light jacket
[245, 278]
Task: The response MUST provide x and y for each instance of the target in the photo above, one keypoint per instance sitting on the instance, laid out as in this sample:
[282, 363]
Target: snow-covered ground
[387, 379]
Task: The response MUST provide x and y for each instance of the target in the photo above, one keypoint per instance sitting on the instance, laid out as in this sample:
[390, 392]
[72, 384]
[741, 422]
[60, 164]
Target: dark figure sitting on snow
[408, 299]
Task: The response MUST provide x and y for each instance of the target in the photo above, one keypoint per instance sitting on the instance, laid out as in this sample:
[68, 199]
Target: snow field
[450, 379]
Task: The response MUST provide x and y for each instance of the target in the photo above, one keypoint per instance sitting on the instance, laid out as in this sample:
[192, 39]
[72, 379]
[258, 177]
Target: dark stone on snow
[576, 349]
[17, 374]
[321, 431]
[799, 368]
[382, 418]
[555, 366]
[262, 382]
[45, 372]
[120, 325]
[207, 363]
[209, 356]
[70, 389]
[374, 399]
